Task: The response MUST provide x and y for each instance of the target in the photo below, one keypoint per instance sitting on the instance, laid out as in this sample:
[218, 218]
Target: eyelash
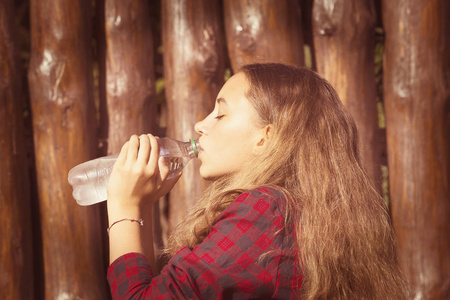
[219, 117]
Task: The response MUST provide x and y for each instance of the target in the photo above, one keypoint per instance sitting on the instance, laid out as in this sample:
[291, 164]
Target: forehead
[234, 90]
[233, 101]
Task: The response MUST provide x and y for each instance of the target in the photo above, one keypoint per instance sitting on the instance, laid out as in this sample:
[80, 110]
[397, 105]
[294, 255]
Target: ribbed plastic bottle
[90, 179]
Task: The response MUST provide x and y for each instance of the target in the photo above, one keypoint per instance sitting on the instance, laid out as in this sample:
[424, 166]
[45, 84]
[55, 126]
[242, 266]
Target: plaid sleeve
[248, 254]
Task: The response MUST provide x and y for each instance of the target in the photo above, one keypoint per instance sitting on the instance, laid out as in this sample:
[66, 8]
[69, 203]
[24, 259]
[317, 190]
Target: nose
[200, 127]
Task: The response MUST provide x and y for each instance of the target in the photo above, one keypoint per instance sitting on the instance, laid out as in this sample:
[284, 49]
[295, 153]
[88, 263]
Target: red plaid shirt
[247, 255]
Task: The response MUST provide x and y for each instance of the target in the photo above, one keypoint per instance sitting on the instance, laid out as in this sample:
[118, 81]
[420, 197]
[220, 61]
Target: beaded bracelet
[140, 221]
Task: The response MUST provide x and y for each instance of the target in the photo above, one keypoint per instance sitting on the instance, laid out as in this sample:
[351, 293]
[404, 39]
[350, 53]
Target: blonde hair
[345, 240]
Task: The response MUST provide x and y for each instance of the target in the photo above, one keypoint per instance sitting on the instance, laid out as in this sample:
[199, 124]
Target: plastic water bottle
[90, 179]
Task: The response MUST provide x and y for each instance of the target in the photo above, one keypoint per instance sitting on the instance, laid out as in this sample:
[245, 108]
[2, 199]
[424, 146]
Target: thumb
[164, 183]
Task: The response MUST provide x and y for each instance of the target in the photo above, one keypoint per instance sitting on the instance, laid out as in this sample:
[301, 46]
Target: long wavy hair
[345, 240]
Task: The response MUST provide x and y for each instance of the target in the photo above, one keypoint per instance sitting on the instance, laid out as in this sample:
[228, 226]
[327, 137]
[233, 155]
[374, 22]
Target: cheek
[233, 150]
[232, 140]
[230, 147]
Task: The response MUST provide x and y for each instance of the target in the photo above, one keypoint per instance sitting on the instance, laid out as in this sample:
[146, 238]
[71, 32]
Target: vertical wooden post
[193, 70]
[130, 79]
[263, 31]
[16, 249]
[417, 103]
[343, 33]
[60, 77]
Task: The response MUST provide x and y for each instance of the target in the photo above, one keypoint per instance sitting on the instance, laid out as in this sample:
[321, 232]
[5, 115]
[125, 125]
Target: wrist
[118, 211]
[138, 221]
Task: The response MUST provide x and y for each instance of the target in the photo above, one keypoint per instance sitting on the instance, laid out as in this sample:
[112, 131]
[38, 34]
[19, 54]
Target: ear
[263, 137]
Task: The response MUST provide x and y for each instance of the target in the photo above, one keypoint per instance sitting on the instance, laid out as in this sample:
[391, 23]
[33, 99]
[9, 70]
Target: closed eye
[219, 117]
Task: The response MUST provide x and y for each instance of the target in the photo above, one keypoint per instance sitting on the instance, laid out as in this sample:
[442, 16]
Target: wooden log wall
[60, 83]
[16, 249]
[417, 101]
[202, 42]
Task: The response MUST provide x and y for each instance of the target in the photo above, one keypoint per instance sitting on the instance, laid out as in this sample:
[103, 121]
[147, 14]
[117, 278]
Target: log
[130, 82]
[417, 105]
[263, 31]
[343, 33]
[130, 78]
[60, 83]
[194, 73]
[16, 245]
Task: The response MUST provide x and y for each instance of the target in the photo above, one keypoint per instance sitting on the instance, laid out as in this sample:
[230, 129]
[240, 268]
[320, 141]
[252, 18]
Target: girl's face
[230, 137]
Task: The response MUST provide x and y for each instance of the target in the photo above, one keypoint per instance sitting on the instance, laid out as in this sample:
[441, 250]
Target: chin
[207, 175]
[203, 173]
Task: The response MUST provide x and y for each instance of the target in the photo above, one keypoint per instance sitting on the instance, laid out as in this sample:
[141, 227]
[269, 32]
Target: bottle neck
[192, 148]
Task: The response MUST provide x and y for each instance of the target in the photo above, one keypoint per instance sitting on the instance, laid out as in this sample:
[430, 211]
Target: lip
[200, 151]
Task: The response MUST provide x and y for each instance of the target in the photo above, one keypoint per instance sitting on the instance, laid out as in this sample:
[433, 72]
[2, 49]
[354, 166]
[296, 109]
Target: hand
[139, 175]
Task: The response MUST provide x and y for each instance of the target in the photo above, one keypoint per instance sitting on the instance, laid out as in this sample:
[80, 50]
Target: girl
[290, 212]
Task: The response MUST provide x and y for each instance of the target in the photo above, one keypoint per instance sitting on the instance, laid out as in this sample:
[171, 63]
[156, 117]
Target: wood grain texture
[16, 249]
[263, 31]
[343, 33]
[194, 72]
[64, 127]
[417, 103]
[130, 78]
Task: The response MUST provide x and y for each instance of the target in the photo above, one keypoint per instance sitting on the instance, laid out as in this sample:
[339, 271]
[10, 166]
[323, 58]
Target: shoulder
[265, 202]
[263, 197]
[266, 193]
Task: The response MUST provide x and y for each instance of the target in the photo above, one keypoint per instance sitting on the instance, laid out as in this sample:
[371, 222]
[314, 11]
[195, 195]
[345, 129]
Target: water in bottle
[90, 179]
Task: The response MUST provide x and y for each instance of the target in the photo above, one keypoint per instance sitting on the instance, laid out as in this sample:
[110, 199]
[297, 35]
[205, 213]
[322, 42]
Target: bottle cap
[194, 146]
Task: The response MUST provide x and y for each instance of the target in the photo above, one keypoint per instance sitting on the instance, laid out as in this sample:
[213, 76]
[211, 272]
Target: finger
[144, 150]
[168, 184]
[132, 149]
[163, 169]
[123, 154]
[174, 178]
[154, 154]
